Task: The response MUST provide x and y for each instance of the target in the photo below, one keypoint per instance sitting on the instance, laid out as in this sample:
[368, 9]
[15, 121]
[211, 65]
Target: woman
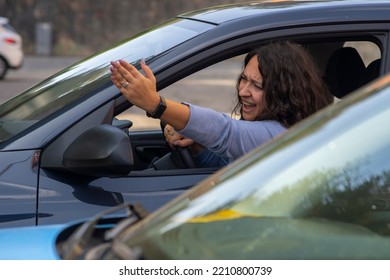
[279, 86]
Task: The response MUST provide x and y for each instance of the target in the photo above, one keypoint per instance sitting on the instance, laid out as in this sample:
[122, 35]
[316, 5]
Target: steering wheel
[184, 154]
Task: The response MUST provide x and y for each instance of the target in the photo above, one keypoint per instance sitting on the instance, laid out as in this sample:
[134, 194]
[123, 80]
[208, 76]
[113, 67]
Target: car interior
[346, 71]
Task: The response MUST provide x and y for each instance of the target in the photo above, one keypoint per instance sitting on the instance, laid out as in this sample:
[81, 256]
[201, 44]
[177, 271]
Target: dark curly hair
[293, 87]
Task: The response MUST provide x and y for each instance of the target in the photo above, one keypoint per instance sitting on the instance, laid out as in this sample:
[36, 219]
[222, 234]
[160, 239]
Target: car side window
[213, 87]
[345, 66]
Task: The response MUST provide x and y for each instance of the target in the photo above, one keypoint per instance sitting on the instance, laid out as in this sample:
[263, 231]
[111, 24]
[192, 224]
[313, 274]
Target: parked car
[11, 49]
[321, 191]
[51, 173]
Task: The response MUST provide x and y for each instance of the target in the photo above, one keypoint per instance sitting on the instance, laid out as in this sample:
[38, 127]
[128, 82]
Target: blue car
[321, 191]
[71, 146]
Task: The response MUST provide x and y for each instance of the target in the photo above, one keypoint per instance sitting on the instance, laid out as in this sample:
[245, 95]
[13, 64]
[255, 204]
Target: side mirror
[102, 151]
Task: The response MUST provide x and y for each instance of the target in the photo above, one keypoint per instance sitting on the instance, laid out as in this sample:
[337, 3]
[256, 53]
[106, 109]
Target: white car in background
[11, 51]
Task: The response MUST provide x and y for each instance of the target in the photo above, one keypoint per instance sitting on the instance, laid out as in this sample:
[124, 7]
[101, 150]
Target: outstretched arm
[141, 91]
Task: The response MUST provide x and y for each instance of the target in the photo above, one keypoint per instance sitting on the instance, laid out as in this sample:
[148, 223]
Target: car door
[71, 194]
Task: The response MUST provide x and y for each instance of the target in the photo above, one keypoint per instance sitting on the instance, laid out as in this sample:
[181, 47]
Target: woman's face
[251, 91]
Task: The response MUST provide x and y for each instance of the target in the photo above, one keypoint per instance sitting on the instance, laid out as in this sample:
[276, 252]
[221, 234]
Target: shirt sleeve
[225, 136]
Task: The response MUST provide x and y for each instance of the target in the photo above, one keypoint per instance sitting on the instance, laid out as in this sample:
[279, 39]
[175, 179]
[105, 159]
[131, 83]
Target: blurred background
[83, 27]
[58, 33]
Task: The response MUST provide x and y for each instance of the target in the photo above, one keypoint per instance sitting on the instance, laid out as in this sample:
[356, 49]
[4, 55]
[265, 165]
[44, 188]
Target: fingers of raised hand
[119, 82]
[122, 73]
[115, 81]
[127, 70]
[130, 69]
[116, 77]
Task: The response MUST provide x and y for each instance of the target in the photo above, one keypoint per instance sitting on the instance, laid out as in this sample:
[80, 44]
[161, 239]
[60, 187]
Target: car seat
[372, 71]
[344, 71]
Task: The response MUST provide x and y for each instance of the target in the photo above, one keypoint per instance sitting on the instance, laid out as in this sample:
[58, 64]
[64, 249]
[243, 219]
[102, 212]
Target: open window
[345, 64]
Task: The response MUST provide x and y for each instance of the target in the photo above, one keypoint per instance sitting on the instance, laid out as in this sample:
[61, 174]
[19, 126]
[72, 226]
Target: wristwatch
[159, 109]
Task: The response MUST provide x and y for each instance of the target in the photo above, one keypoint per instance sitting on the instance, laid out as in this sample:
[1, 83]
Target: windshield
[89, 75]
[322, 190]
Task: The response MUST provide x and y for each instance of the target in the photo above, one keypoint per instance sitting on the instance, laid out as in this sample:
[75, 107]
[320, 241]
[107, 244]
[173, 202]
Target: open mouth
[248, 105]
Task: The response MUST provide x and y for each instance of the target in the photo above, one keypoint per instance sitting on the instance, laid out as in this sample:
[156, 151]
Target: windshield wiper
[79, 240]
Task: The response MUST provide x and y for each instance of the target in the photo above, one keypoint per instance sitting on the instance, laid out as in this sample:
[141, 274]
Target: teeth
[248, 104]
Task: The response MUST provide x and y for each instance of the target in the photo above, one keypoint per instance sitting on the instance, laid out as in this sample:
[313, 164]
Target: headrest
[344, 71]
[372, 71]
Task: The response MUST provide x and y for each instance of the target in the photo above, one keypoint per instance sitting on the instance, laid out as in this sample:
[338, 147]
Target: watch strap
[159, 109]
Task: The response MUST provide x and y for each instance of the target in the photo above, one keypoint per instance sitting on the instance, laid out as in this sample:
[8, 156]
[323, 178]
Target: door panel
[147, 146]
[74, 197]
[18, 188]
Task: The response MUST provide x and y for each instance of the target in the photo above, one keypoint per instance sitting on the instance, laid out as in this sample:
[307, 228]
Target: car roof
[302, 8]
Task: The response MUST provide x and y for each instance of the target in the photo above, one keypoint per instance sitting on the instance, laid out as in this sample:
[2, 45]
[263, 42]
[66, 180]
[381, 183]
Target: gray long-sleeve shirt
[225, 136]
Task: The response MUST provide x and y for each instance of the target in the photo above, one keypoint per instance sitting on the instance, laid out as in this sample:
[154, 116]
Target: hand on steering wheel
[180, 144]
[175, 139]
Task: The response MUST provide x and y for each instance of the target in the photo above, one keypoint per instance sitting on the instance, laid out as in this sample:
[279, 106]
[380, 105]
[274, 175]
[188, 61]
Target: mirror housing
[101, 151]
